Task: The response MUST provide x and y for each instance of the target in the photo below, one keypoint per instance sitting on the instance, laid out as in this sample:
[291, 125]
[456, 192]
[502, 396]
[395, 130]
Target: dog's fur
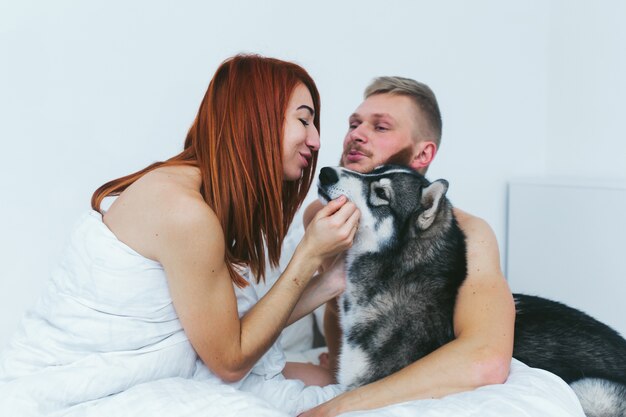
[404, 270]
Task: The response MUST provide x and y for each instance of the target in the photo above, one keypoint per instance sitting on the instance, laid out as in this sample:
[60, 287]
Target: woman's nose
[313, 141]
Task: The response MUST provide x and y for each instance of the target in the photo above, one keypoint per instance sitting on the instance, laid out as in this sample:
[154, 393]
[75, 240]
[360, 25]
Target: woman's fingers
[332, 206]
[342, 214]
[353, 224]
[333, 228]
[345, 222]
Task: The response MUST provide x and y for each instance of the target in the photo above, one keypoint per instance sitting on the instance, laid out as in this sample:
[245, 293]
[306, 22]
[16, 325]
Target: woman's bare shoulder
[163, 206]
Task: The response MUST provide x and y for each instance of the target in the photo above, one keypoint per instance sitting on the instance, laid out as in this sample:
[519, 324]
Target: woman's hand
[332, 230]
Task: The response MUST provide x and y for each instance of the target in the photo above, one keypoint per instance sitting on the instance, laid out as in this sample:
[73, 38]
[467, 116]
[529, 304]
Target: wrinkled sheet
[528, 393]
[104, 340]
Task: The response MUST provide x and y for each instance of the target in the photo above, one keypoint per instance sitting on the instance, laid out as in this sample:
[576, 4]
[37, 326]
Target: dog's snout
[328, 176]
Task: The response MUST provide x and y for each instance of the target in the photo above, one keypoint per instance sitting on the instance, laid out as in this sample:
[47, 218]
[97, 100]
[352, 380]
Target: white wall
[90, 91]
[573, 255]
[587, 90]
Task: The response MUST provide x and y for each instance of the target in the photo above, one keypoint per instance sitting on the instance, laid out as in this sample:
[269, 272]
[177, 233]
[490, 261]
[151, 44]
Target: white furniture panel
[566, 241]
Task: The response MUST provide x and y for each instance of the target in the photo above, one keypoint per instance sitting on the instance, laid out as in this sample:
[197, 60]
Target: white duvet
[104, 340]
[527, 393]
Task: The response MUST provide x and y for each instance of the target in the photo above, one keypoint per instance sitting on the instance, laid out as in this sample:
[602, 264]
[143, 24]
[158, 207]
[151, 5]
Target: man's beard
[403, 157]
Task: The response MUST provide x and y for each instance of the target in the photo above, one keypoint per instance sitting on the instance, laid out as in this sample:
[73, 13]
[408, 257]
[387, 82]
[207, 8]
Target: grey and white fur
[404, 270]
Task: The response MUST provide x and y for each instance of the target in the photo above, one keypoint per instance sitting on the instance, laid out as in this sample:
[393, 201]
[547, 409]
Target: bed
[166, 377]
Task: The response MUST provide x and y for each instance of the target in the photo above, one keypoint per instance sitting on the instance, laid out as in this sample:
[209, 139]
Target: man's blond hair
[420, 93]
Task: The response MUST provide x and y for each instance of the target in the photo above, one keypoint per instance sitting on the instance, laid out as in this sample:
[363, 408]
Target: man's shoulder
[463, 216]
[471, 224]
[483, 253]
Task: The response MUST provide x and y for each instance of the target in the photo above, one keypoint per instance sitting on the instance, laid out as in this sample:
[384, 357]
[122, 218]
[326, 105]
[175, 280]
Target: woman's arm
[332, 329]
[190, 246]
[479, 355]
[325, 286]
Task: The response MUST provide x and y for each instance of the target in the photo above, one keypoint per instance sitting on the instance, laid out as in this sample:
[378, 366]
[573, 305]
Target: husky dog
[404, 269]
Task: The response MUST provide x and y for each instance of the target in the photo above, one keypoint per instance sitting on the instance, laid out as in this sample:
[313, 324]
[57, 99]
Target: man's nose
[358, 134]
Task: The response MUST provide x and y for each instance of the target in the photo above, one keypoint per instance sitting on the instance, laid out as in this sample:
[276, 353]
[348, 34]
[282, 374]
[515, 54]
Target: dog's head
[395, 203]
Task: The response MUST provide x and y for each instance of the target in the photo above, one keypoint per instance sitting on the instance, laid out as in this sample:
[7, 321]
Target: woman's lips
[305, 159]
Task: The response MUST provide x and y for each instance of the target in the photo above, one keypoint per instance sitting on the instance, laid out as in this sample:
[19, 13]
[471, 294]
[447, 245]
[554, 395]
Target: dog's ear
[431, 199]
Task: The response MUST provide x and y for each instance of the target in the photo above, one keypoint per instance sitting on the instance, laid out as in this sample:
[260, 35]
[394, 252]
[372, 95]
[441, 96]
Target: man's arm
[332, 334]
[479, 355]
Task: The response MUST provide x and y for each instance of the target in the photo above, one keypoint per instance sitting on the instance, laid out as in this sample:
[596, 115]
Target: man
[399, 122]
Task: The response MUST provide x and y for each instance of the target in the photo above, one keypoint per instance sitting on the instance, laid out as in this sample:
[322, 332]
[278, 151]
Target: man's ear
[425, 152]
[431, 200]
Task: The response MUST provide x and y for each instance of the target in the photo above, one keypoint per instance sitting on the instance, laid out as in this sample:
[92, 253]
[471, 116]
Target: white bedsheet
[106, 330]
[105, 341]
[528, 393]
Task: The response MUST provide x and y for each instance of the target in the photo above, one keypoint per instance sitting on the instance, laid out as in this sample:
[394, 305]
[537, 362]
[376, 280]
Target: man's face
[381, 130]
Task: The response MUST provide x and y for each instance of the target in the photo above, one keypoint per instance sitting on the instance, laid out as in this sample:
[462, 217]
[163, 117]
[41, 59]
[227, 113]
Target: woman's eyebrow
[304, 106]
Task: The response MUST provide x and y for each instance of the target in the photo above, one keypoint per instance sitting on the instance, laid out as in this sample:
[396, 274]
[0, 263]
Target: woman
[161, 278]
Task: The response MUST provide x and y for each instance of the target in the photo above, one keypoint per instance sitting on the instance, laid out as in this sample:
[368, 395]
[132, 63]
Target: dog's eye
[381, 193]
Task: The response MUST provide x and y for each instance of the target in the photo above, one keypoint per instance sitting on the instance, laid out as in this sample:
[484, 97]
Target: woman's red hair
[236, 142]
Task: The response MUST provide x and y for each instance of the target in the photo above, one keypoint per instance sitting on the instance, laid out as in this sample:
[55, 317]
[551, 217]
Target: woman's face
[301, 137]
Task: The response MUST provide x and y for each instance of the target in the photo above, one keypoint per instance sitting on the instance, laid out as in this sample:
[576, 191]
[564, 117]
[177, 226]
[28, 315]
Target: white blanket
[528, 393]
[104, 340]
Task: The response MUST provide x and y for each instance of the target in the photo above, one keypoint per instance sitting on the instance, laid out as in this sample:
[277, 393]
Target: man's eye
[354, 123]
[382, 128]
